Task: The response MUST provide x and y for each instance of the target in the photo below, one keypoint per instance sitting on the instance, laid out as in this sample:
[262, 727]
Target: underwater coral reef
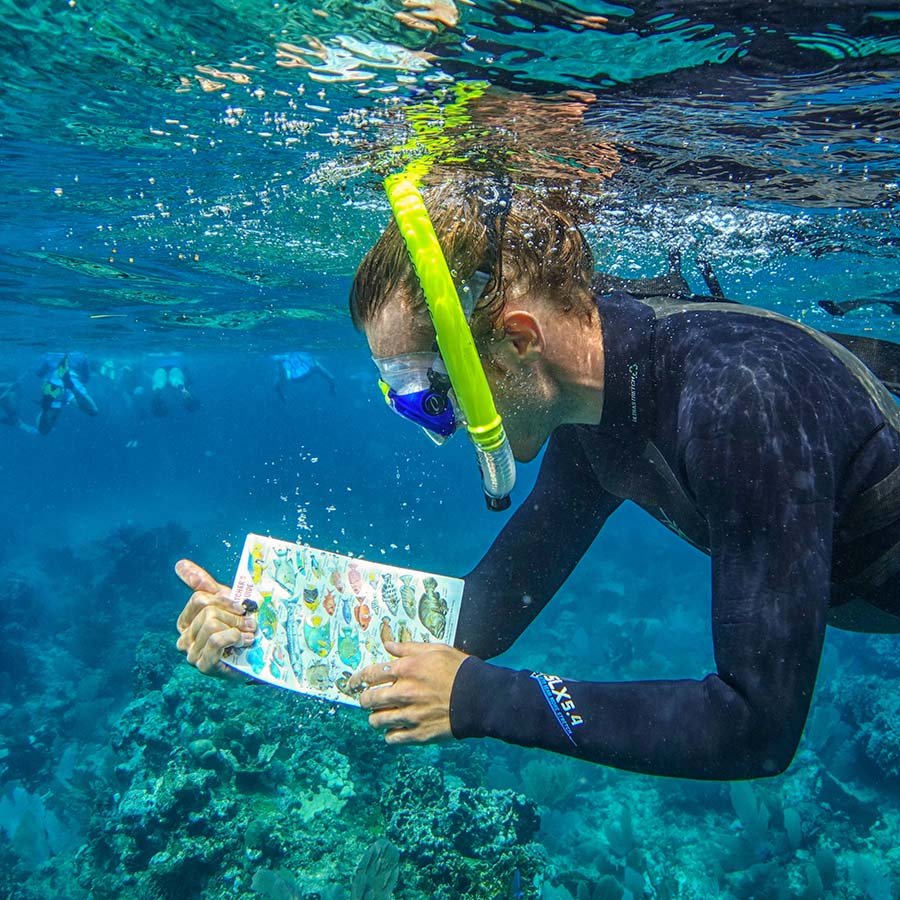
[125, 773]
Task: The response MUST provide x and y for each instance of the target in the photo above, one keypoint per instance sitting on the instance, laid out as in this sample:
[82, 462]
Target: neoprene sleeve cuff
[490, 701]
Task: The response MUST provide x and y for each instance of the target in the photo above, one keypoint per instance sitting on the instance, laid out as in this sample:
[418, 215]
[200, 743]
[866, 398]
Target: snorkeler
[297, 366]
[170, 374]
[64, 377]
[758, 440]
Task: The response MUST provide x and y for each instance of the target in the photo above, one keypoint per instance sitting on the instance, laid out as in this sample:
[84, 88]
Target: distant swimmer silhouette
[297, 366]
[64, 377]
[170, 376]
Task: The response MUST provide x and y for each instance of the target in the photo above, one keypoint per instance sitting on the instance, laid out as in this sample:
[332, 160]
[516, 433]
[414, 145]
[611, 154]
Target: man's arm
[766, 486]
[536, 551]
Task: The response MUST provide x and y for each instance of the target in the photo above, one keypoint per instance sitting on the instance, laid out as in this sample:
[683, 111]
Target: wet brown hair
[524, 243]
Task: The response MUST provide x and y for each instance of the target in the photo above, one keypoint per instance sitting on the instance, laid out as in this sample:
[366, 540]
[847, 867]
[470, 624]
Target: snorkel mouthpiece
[455, 342]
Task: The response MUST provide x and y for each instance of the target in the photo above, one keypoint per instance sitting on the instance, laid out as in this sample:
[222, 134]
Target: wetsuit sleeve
[536, 551]
[763, 479]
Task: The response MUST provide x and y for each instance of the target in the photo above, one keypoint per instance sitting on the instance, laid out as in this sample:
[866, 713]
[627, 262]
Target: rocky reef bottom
[126, 774]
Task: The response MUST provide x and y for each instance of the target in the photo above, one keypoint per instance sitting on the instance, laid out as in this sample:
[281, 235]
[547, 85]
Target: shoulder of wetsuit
[881, 356]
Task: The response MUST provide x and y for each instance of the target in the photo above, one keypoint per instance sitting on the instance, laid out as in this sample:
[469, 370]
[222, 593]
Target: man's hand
[410, 696]
[211, 623]
[428, 15]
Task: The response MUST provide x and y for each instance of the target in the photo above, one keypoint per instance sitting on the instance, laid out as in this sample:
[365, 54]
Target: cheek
[496, 378]
[516, 390]
[502, 390]
[517, 415]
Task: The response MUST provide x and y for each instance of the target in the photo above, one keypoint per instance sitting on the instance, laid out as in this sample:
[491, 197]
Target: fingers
[207, 656]
[391, 720]
[411, 21]
[210, 636]
[427, 15]
[200, 600]
[442, 11]
[411, 736]
[197, 578]
[412, 648]
[376, 674]
[391, 709]
[214, 617]
[385, 673]
[210, 621]
[409, 697]
[399, 727]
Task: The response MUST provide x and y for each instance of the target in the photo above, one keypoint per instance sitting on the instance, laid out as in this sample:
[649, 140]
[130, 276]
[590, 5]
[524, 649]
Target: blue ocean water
[200, 184]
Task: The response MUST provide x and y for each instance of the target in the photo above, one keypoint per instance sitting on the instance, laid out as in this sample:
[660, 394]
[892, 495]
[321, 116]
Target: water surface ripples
[228, 162]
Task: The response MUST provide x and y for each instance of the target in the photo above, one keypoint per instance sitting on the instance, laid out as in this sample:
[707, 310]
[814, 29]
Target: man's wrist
[478, 693]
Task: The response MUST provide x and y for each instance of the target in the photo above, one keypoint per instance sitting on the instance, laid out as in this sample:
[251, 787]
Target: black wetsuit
[761, 442]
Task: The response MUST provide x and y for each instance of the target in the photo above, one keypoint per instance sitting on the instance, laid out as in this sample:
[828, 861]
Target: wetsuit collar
[628, 332]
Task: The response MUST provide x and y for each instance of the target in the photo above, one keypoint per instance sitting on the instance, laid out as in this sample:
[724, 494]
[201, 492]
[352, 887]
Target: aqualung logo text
[561, 704]
[633, 372]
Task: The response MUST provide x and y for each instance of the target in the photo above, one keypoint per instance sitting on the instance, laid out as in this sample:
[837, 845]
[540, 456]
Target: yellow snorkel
[454, 337]
[455, 342]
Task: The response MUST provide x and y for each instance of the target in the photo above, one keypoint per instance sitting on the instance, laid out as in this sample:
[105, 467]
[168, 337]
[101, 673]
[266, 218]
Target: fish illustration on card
[323, 614]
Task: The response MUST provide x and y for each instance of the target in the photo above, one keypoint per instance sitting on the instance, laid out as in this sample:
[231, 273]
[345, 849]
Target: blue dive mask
[417, 386]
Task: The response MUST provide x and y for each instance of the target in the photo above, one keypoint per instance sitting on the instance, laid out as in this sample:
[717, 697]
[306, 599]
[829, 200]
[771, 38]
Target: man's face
[394, 330]
[516, 390]
[520, 400]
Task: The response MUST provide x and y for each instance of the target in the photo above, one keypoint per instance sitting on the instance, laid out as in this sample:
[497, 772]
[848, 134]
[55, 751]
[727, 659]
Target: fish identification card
[323, 615]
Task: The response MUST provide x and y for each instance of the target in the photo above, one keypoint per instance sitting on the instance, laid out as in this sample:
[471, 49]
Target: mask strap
[496, 201]
[470, 292]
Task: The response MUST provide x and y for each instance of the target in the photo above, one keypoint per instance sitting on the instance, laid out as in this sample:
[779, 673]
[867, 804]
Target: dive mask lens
[416, 387]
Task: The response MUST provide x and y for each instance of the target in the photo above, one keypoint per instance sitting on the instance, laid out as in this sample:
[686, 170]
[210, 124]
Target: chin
[525, 452]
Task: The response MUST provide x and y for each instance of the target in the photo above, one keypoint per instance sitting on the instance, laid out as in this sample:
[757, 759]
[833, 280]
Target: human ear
[523, 335]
